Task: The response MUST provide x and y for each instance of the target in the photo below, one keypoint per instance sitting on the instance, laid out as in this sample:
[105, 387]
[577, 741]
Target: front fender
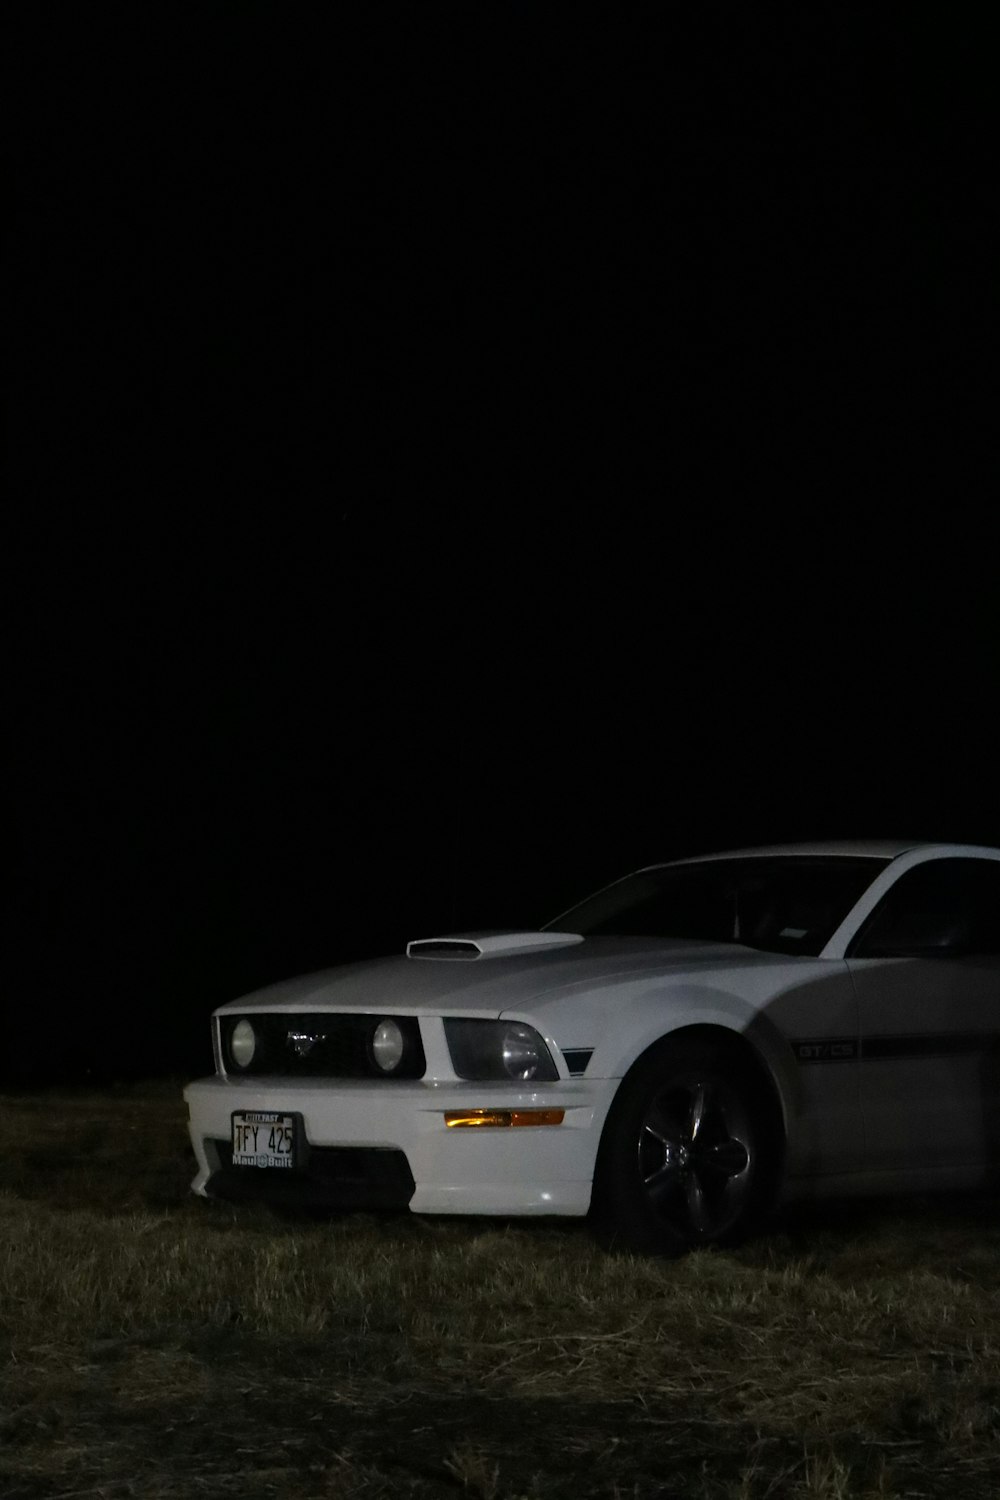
[623, 1026]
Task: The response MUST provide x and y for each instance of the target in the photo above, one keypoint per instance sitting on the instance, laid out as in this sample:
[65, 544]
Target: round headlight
[243, 1044]
[387, 1046]
[521, 1051]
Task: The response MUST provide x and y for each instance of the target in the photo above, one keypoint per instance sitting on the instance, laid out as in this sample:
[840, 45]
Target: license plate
[263, 1138]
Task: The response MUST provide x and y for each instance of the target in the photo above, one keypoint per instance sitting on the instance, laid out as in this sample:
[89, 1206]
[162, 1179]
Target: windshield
[780, 904]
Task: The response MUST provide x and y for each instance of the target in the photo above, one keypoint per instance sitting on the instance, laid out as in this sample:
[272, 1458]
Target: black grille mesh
[334, 1177]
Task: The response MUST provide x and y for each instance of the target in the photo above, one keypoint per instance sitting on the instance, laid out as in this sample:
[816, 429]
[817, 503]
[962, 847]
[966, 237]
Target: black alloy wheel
[680, 1159]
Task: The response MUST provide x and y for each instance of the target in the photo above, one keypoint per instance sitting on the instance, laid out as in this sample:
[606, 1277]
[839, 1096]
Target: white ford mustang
[691, 1045]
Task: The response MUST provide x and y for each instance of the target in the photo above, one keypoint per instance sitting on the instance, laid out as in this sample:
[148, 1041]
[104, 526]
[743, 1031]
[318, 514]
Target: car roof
[885, 849]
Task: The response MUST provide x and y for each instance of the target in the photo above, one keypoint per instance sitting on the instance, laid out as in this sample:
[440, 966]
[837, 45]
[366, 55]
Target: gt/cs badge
[842, 1049]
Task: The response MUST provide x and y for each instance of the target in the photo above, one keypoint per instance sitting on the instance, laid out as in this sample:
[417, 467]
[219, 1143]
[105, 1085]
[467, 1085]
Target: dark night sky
[455, 461]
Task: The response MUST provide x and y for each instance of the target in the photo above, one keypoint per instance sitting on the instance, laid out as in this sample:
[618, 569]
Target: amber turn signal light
[476, 1117]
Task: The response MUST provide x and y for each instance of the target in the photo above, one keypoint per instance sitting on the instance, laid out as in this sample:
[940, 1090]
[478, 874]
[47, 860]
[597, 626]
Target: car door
[926, 970]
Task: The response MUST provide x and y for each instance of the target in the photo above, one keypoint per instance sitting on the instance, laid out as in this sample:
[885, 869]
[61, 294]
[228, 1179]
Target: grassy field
[155, 1345]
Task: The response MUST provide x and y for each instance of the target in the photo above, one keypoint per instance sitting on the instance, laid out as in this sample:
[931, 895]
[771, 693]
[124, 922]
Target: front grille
[317, 1045]
[333, 1177]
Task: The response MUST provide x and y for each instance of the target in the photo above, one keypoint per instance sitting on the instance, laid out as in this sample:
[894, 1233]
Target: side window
[944, 908]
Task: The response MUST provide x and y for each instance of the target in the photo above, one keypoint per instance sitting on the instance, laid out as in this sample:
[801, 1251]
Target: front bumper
[374, 1138]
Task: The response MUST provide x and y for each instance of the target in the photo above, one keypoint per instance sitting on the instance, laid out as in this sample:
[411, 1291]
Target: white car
[681, 1051]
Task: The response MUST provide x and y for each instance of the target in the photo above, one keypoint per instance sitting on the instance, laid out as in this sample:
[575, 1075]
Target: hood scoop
[468, 946]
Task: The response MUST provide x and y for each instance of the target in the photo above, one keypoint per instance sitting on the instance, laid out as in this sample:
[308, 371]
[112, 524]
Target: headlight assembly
[493, 1050]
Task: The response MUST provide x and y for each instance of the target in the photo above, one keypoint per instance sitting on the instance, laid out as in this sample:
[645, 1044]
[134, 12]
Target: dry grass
[154, 1345]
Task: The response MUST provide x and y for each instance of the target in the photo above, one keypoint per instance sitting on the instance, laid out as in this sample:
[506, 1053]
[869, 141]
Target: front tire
[683, 1159]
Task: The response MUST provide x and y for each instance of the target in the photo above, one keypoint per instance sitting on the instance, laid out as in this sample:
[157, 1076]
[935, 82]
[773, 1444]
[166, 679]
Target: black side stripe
[933, 1044]
[577, 1059]
[895, 1048]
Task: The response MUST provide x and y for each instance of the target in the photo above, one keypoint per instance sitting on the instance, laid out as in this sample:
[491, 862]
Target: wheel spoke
[665, 1140]
[697, 1115]
[659, 1184]
[663, 1125]
[697, 1208]
[727, 1158]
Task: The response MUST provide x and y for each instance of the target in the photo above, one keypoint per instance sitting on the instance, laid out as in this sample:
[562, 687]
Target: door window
[946, 908]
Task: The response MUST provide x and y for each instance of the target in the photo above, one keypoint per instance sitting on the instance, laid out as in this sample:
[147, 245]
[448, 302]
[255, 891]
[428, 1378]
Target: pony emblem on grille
[302, 1042]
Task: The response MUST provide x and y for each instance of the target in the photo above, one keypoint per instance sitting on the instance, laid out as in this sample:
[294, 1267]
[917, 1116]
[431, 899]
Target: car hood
[509, 971]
